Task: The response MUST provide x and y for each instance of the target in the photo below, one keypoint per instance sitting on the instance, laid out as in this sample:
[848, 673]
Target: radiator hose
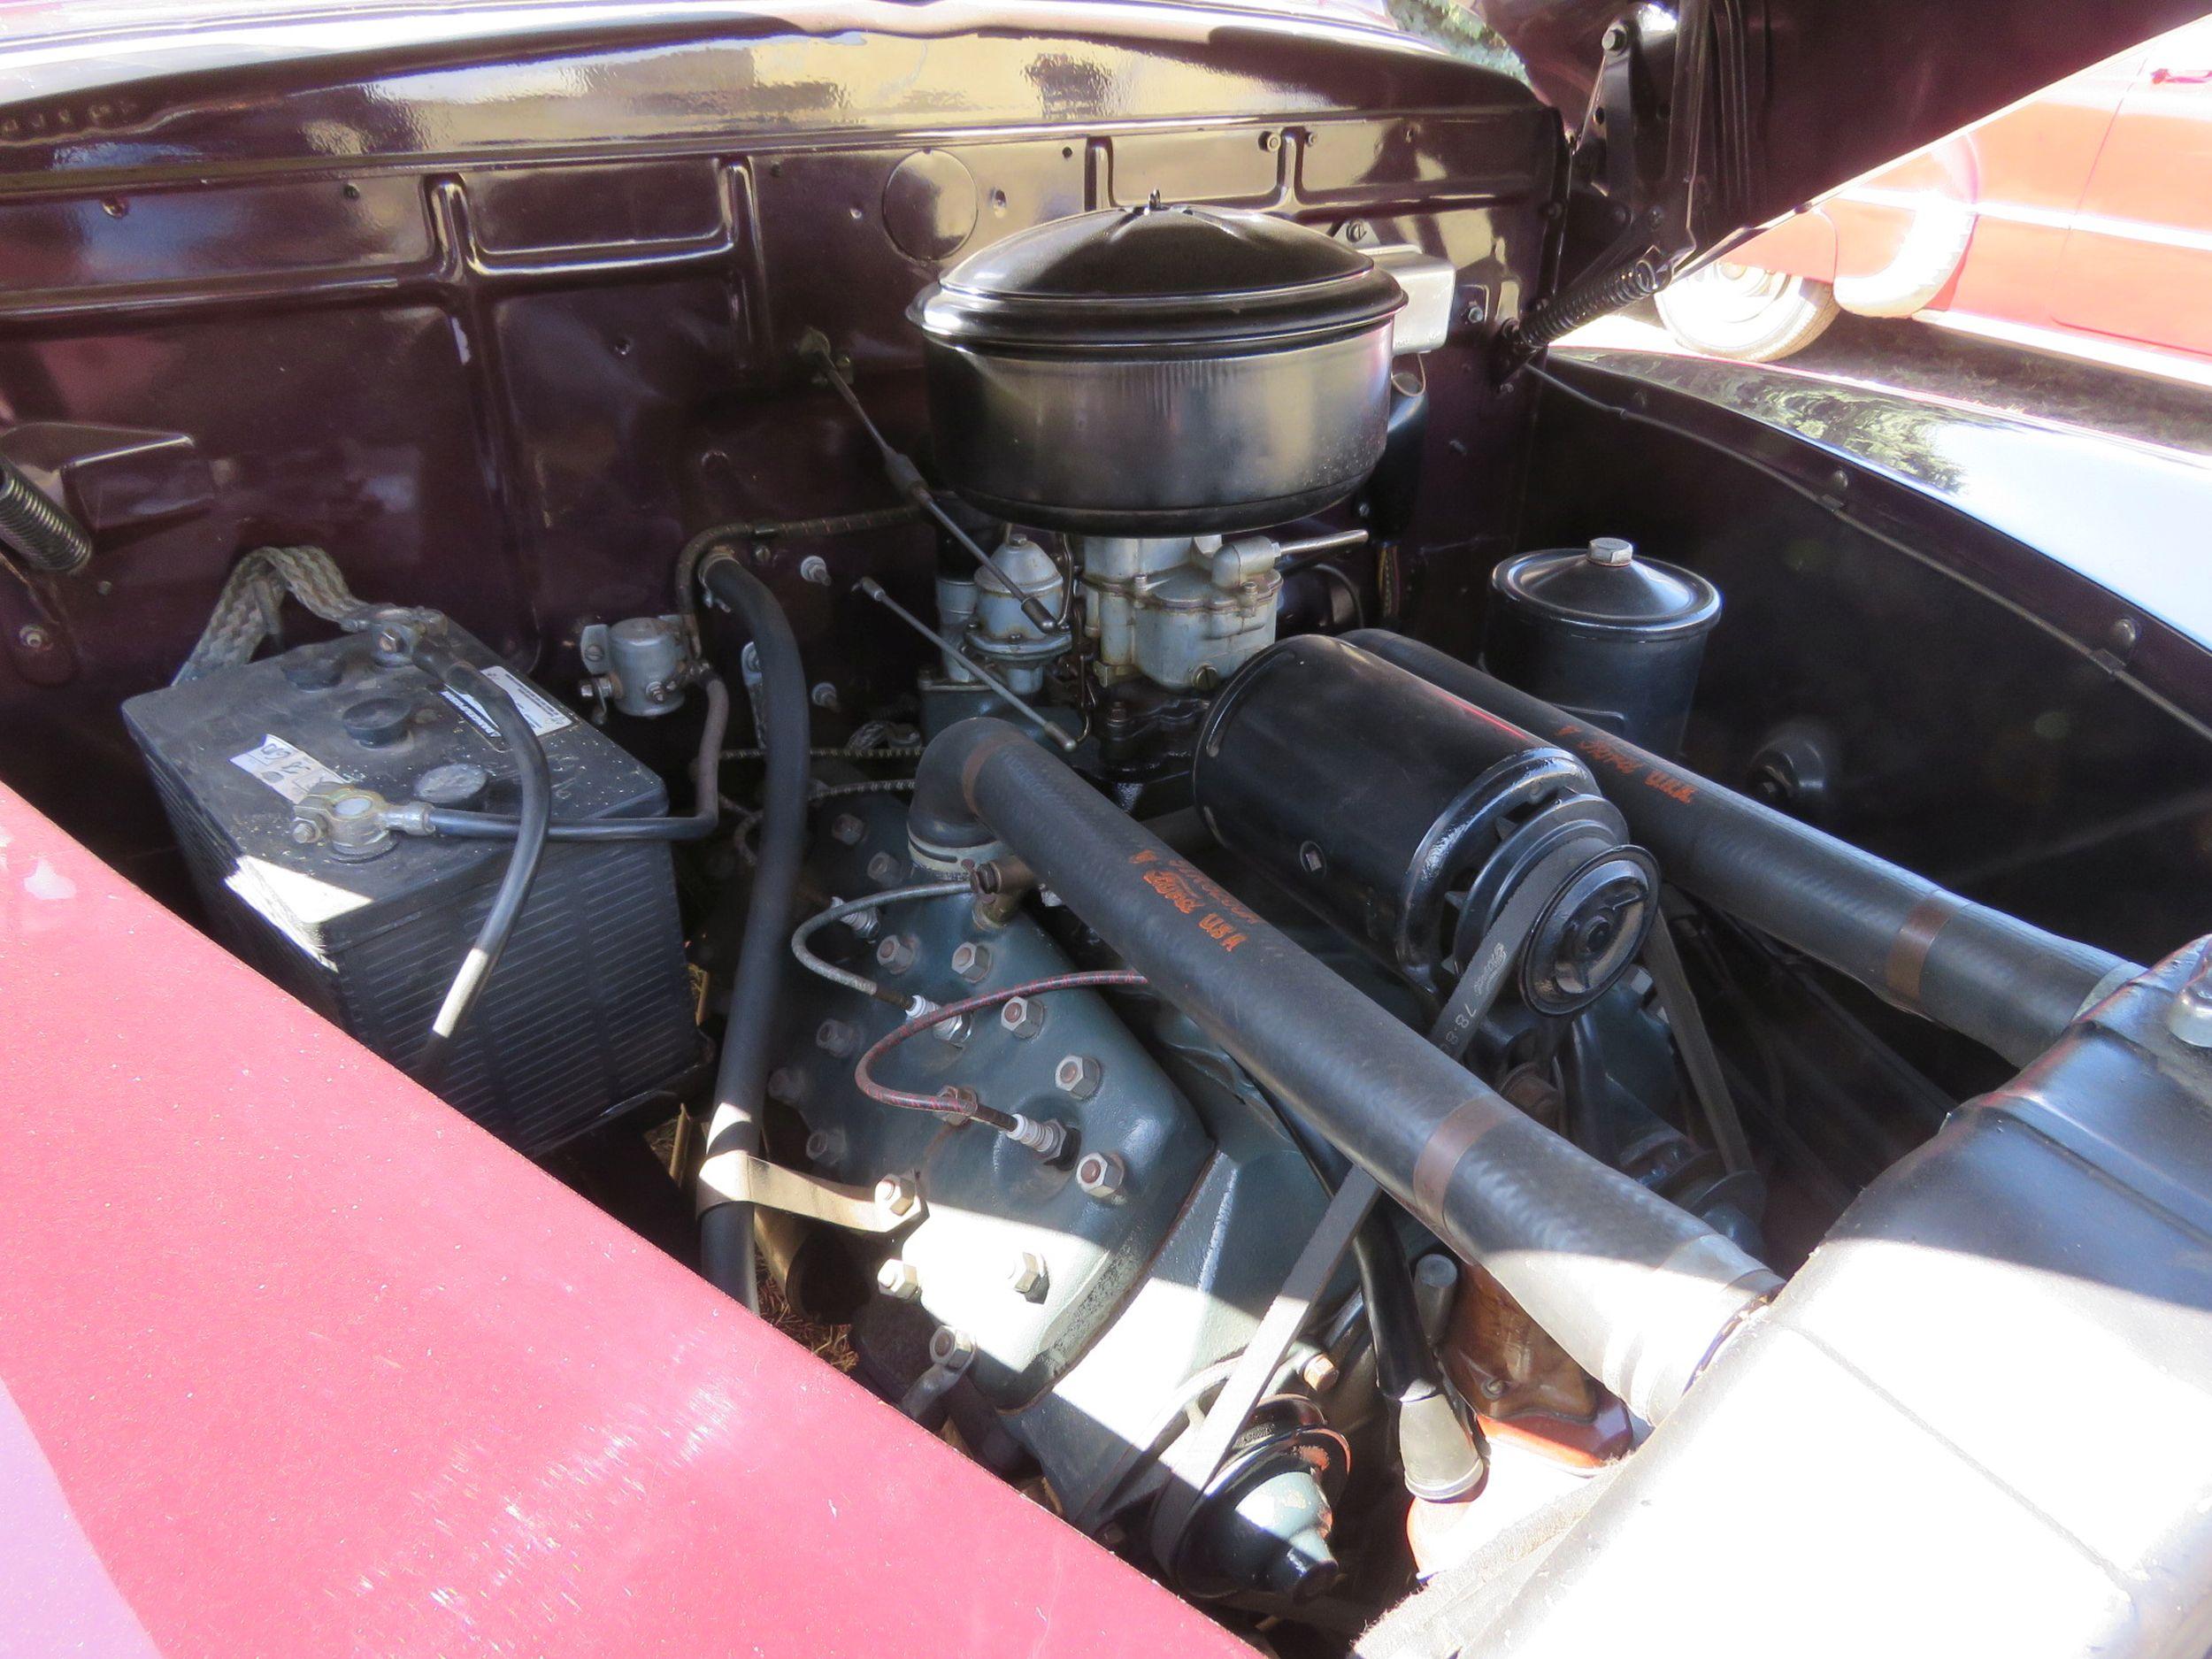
[726, 1230]
[1637, 1290]
[2008, 985]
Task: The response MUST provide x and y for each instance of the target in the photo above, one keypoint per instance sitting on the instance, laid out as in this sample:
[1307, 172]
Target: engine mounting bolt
[1026, 1275]
[824, 696]
[846, 830]
[950, 1348]
[835, 1036]
[896, 954]
[896, 1194]
[814, 568]
[1319, 1373]
[898, 1280]
[1102, 1176]
[972, 961]
[1078, 1076]
[883, 868]
[1023, 1016]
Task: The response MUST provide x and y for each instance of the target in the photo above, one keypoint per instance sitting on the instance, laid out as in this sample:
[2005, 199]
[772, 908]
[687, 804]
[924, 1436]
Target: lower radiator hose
[1639, 1292]
[2008, 985]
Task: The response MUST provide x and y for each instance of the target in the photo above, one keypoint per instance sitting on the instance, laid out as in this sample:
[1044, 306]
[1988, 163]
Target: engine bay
[1284, 955]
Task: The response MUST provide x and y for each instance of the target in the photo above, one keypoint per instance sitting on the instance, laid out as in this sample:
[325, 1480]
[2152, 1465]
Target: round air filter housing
[1159, 370]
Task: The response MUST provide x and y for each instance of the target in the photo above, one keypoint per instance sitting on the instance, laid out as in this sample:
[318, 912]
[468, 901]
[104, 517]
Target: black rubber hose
[1992, 976]
[37, 531]
[437, 658]
[726, 1230]
[1637, 1291]
[706, 809]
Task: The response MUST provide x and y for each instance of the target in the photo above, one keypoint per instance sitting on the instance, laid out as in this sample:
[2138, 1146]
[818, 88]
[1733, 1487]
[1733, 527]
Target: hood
[1738, 113]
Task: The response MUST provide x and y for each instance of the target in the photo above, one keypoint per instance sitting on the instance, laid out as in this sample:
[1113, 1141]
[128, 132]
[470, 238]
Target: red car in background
[2078, 221]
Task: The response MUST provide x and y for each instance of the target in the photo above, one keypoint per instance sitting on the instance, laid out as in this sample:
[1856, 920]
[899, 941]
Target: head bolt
[1078, 1076]
[898, 1280]
[896, 954]
[836, 1037]
[1022, 1016]
[814, 568]
[972, 961]
[1026, 1275]
[1102, 1176]
[846, 830]
[896, 1194]
[882, 869]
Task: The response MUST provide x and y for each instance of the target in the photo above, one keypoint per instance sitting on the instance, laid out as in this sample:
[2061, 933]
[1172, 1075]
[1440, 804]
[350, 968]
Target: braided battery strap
[246, 610]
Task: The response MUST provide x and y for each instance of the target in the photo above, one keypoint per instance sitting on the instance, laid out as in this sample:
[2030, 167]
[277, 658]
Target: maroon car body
[297, 1360]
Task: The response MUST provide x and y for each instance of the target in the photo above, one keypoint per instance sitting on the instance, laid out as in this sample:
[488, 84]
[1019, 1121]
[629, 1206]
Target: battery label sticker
[543, 714]
[292, 773]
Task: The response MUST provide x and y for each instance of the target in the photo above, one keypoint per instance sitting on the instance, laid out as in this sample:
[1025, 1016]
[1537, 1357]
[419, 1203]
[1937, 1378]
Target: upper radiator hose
[1993, 977]
[1639, 1292]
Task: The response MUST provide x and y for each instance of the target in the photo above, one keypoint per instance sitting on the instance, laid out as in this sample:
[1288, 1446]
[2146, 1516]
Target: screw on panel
[1102, 1176]
[824, 696]
[1026, 1275]
[896, 954]
[1023, 1016]
[814, 568]
[1078, 1076]
[836, 1037]
[899, 1280]
[847, 831]
[972, 961]
[31, 637]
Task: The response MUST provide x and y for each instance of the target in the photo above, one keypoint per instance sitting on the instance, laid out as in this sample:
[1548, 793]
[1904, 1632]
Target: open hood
[1703, 122]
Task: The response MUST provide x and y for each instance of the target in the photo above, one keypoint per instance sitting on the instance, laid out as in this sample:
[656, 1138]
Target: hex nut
[896, 1194]
[1102, 1176]
[883, 869]
[836, 1037]
[824, 1145]
[896, 954]
[1319, 1373]
[1078, 1076]
[1022, 1016]
[1026, 1275]
[972, 961]
[846, 830]
[899, 1280]
[951, 1350]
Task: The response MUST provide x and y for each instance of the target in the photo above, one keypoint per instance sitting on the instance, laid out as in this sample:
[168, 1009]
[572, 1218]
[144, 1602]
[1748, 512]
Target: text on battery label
[292, 773]
[543, 714]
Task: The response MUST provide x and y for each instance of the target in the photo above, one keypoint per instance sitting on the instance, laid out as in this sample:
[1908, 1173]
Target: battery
[590, 1007]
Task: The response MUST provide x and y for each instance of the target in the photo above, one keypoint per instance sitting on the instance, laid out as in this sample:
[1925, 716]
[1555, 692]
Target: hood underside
[1794, 97]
